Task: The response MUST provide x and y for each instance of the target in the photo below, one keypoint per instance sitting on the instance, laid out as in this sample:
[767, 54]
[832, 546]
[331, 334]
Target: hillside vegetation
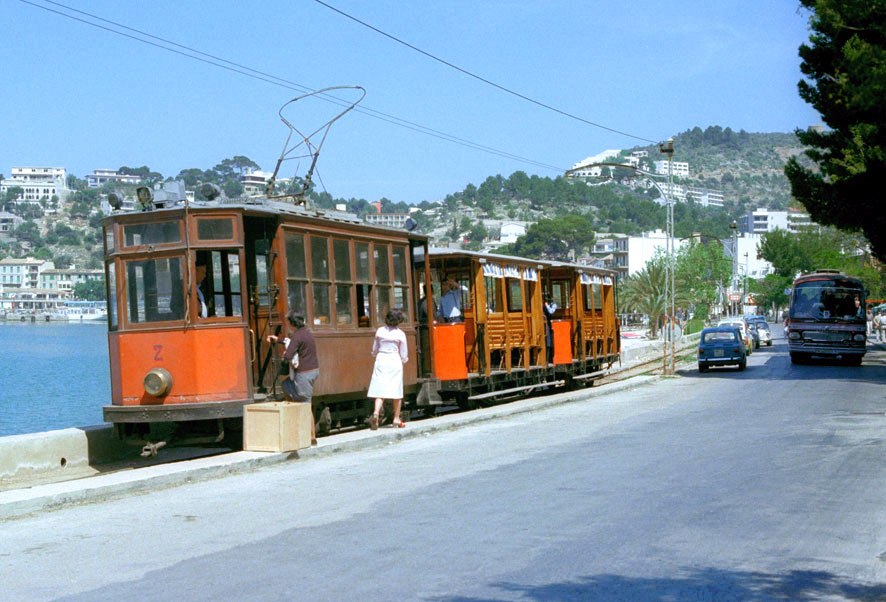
[747, 168]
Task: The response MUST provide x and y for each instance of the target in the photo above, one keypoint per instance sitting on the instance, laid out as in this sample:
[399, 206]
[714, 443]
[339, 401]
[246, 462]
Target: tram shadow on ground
[107, 453]
[696, 584]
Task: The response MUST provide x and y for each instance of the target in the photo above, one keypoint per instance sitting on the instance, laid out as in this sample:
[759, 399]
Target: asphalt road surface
[763, 484]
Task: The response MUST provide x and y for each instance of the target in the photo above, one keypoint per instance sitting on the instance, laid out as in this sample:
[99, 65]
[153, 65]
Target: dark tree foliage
[555, 238]
[845, 67]
[144, 172]
[91, 290]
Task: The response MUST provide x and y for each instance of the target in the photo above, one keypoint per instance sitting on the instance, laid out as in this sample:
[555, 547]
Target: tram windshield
[827, 300]
[155, 290]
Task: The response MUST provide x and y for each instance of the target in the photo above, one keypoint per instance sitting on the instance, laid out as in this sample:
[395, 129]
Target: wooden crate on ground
[276, 426]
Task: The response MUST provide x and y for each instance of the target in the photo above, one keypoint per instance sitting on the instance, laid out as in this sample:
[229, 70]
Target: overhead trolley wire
[234, 67]
[482, 79]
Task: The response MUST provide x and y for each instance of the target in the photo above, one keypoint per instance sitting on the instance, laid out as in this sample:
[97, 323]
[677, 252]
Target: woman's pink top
[390, 340]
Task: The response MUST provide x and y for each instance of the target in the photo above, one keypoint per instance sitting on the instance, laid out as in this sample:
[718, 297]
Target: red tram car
[179, 357]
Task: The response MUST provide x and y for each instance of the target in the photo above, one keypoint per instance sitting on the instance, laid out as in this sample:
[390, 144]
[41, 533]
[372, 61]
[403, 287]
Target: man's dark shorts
[302, 389]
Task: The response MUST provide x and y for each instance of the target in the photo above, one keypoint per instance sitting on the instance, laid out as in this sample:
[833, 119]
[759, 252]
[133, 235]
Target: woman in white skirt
[390, 352]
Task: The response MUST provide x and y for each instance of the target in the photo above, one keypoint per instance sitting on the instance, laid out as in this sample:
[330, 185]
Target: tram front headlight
[158, 382]
[794, 335]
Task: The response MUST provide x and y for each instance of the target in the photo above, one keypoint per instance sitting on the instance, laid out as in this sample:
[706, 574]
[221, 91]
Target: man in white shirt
[449, 308]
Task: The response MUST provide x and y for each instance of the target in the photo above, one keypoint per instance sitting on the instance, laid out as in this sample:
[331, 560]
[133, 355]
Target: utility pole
[670, 287]
[747, 280]
[734, 227]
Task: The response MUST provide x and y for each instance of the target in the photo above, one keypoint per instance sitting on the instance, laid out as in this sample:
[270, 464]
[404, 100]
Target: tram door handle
[252, 346]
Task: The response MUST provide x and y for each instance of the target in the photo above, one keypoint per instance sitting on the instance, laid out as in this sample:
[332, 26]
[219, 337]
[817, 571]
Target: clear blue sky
[79, 97]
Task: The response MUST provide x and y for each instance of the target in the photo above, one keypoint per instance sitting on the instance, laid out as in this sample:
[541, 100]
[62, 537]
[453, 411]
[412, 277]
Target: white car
[745, 335]
[764, 331]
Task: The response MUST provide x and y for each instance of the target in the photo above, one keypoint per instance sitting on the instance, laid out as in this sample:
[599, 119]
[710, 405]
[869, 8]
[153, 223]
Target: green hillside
[747, 168]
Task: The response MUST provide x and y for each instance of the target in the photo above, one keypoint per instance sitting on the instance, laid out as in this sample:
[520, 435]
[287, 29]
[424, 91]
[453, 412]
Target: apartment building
[627, 255]
[37, 183]
[99, 177]
[9, 222]
[703, 196]
[391, 220]
[678, 168]
[67, 279]
[761, 221]
[23, 273]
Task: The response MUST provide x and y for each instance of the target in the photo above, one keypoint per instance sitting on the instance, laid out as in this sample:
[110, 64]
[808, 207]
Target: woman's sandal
[398, 424]
[373, 422]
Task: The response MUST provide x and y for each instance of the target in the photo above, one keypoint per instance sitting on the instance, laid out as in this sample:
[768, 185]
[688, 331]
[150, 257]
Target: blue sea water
[52, 376]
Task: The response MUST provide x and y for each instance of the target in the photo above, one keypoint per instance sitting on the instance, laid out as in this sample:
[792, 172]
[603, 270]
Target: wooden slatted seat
[516, 336]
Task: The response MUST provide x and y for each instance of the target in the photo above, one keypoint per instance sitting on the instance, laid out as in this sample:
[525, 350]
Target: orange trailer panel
[206, 364]
[449, 351]
[562, 341]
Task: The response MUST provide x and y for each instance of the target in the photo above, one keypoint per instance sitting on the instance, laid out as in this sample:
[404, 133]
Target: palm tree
[645, 292]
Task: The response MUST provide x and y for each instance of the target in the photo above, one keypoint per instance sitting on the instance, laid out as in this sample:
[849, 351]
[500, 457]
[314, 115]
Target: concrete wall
[54, 451]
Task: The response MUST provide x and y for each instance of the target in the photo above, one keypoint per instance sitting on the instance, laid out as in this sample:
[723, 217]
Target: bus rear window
[155, 290]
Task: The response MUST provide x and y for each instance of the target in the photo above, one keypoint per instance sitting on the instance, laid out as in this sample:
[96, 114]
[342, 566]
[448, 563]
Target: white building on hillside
[680, 194]
[100, 177]
[391, 220]
[511, 231]
[37, 183]
[678, 168]
[761, 221]
[39, 174]
[255, 181]
[594, 172]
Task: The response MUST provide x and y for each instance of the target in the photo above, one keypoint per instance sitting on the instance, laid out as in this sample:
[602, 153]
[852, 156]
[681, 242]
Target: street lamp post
[670, 284]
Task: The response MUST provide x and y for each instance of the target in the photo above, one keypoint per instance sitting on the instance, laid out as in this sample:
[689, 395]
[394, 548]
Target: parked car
[755, 336]
[763, 329]
[743, 327]
[721, 346]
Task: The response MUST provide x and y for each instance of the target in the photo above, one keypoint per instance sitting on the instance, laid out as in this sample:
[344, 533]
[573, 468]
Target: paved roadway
[763, 484]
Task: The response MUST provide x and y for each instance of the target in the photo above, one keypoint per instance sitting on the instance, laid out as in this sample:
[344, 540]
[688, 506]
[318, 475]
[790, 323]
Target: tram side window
[493, 294]
[262, 271]
[588, 302]
[464, 283]
[221, 287]
[341, 255]
[112, 297]
[155, 290]
[296, 273]
[109, 240]
[515, 297]
[401, 296]
[381, 255]
[560, 292]
[364, 286]
[598, 296]
[320, 281]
